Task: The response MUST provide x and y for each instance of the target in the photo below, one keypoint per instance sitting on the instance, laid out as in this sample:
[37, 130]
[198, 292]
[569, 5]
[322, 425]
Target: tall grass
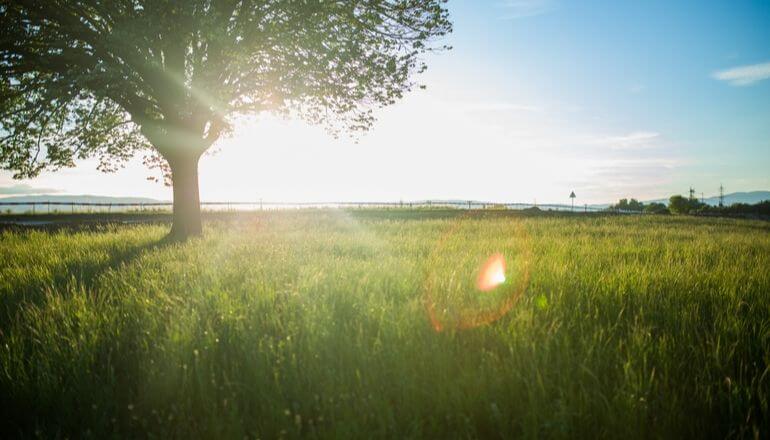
[314, 323]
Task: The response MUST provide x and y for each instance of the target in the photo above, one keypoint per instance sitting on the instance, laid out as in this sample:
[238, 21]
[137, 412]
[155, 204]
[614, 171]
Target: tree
[635, 205]
[656, 208]
[108, 78]
[680, 205]
[626, 205]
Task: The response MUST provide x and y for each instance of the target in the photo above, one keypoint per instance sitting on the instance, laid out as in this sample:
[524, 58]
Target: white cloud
[634, 140]
[744, 75]
[526, 8]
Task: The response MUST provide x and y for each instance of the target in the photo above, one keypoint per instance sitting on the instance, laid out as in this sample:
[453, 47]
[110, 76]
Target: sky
[536, 99]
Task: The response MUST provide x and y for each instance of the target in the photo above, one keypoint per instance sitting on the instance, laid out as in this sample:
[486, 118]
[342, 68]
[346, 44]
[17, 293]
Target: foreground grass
[314, 324]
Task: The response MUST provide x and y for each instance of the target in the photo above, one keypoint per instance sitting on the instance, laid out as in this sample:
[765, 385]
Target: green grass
[314, 323]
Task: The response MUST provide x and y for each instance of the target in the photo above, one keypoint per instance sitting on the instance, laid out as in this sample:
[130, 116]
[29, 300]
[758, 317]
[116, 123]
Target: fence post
[33, 207]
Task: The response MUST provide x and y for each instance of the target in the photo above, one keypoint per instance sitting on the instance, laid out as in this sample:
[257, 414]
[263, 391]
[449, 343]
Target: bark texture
[187, 207]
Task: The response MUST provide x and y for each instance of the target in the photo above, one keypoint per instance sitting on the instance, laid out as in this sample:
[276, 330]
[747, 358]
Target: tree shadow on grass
[114, 367]
[85, 275]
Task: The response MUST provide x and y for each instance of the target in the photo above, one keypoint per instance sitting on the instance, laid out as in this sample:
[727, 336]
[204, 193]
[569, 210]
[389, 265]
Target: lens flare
[492, 273]
[452, 285]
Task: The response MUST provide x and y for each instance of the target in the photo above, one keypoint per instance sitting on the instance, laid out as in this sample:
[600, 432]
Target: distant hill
[78, 198]
[67, 199]
[749, 197]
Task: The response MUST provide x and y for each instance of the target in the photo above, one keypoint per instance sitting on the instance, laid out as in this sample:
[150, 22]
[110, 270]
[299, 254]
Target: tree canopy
[628, 205]
[656, 208]
[680, 205]
[109, 78]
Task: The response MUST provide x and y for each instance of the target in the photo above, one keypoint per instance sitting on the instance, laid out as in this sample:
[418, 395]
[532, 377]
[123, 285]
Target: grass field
[317, 324]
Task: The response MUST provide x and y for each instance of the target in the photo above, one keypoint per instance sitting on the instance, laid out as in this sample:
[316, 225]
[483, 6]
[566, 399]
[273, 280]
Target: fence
[40, 207]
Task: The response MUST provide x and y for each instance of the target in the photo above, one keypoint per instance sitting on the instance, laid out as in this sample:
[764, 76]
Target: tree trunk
[187, 207]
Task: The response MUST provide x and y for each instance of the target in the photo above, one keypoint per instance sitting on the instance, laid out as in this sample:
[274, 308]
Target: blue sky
[648, 68]
[537, 98]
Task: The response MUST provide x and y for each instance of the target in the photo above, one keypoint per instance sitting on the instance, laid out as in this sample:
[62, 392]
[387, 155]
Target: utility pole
[721, 196]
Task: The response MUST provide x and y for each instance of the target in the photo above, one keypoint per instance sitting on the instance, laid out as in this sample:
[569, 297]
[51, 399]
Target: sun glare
[492, 273]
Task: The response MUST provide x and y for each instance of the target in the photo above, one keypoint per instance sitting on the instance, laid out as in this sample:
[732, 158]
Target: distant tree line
[678, 204]
[634, 205]
[761, 208]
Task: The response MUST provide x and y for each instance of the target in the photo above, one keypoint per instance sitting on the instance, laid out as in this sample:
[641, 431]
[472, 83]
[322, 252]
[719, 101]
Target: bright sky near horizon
[538, 97]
